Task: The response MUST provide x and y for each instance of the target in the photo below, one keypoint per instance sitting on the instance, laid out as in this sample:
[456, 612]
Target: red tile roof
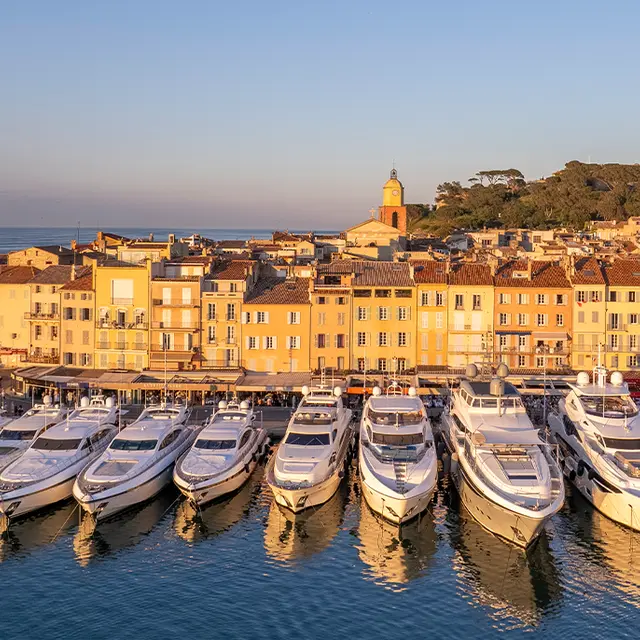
[544, 274]
[17, 275]
[83, 283]
[58, 274]
[587, 271]
[280, 291]
[429, 272]
[623, 273]
[383, 274]
[231, 270]
[470, 274]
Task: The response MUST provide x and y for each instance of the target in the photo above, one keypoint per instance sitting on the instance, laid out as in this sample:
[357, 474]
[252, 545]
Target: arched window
[394, 219]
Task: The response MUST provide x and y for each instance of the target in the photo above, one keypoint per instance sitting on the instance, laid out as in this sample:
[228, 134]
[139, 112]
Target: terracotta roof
[58, 274]
[587, 271]
[338, 267]
[83, 283]
[144, 244]
[383, 274]
[280, 291]
[284, 236]
[232, 244]
[55, 248]
[231, 270]
[543, 274]
[623, 273]
[470, 274]
[191, 260]
[429, 271]
[17, 275]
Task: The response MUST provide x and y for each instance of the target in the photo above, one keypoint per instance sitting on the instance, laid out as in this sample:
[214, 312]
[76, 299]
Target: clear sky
[289, 113]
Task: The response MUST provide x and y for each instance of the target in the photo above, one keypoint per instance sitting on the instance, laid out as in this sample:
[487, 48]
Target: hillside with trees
[571, 198]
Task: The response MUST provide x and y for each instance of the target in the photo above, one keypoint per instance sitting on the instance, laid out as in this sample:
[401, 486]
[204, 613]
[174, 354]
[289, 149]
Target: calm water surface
[244, 568]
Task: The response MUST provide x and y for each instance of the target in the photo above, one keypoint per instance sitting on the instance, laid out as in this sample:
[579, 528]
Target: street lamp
[545, 351]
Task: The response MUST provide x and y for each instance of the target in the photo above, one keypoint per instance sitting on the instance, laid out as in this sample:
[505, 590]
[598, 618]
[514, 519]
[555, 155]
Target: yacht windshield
[609, 406]
[308, 439]
[632, 444]
[226, 417]
[312, 418]
[8, 434]
[133, 445]
[204, 443]
[53, 444]
[397, 439]
[395, 417]
[327, 403]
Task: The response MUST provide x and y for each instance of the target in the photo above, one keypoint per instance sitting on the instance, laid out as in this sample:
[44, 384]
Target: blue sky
[289, 113]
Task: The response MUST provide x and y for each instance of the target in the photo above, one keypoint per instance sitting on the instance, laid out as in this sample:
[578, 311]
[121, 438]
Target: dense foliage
[569, 198]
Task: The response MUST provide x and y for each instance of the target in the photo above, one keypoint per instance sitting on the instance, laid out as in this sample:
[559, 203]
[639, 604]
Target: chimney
[529, 269]
[172, 238]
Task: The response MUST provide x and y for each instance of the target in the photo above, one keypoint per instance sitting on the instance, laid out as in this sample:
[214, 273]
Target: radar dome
[503, 370]
[109, 402]
[582, 379]
[244, 405]
[617, 379]
[222, 404]
[337, 391]
[305, 390]
[46, 400]
[84, 402]
[496, 387]
[471, 371]
[412, 392]
[377, 391]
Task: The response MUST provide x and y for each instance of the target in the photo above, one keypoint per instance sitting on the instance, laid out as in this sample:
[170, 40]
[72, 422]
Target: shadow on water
[37, 530]
[124, 530]
[394, 556]
[213, 519]
[290, 537]
[603, 554]
[515, 587]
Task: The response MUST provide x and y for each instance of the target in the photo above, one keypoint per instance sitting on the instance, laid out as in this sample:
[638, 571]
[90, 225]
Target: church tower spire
[393, 210]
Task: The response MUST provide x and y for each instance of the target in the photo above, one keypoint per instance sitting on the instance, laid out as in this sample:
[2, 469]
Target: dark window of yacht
[459, 423]
[7, 434]
[308, 439]
[133, 445]
[53, 444]
[246, 436]
[622, 443]
[312, 418]
[96, 437]
[170, 439]
[397, 439]
[203, 443]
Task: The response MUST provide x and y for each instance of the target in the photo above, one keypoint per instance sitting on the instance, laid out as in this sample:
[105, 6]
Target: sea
[244, 568]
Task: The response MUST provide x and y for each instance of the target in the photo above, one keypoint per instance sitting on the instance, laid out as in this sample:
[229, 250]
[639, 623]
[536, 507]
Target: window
[631, 297]
[523, 319]
[37, 330]
[68, 336]
[293, 317]
[341, 319]
[542, 298]
[211, 311]
[85, 337]
[261, 317]
[67, 358]
[439, 342]
[363, 313]
[403, 293]
[632, 361]
[38, 288]
[559, 320]
[614, 321]
[85, 314]
[424, 298]
[403, 313]
[171, 438]
[581, 296]
[383, 293]
[439, 320]
[362, 293]
[541, 319]
[382, 364]
[580, 317]
[402, 339]
[540, 361]
[477, 302]
[340, 363]
[425, 320]
[85, 359]
[439, 299]
[322, 318]
[362, 339]
[383, 313]
[68, 313]
[523, 298]
[341, 342]
[211, 333]
[321, 340]
[270, 342]
[504, 298]
[341, 300]
[322, 300]
[614, 341]
[231, 311]
[459, 301]
[54, 333]
[633, 342]
[361, 364]
[595, 296]
[233, 287]
[503, 319]
[401, 364]
[522, 343]
[503, 342]
[383, 339]
[252, 342]
[613, 296]
[293, 342]
[522, 361]
[633, 318]
[561, 299]
[595, 317]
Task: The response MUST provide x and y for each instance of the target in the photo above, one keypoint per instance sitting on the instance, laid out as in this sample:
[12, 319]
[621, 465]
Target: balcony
[174, 324]
[40, 315]
[175, 302]
[122, 301]
[230, 341]
[222, 364]
[121, 346]
[103, 323]
[44, 359]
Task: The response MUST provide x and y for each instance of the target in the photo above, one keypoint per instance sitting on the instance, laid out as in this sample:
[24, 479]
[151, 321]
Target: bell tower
[393, 210]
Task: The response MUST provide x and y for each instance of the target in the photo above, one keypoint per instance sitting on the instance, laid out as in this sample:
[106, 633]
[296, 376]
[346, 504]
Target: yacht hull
[206, 491]
[397, 510]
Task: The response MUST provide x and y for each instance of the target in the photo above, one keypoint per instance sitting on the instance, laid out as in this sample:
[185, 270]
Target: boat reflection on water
[194, 525]
[126, 529]
[603, 553]
[395, 555]
[516, 588]
[39, 529]
[289, 536]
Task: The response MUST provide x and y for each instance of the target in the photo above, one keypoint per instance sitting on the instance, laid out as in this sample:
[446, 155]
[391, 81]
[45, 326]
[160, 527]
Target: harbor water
[244, 568]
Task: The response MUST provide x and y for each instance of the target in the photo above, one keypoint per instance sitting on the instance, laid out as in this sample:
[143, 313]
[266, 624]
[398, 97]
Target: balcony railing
[221, 364]
[230, 341]
[124, 301]
[176, 302]
[40, 315]
[174, 324]
[101, 323]
[121, 346]
[44, 359]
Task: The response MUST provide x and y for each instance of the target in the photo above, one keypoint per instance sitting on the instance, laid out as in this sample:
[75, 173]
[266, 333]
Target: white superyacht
[309, 464]
[506, 475]
[597, 428]
[137, 464]
[16, 435]
[223, 456]
[397, 459]
[45, 473]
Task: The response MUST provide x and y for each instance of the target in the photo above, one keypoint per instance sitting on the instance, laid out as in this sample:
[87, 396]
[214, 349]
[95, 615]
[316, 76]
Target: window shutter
[289, 318]
[266, 317]
[408, 339]
[247, 342]
[425, 341]
[288, 342]
[408, 313]
[315, 340]
[246, 317]
[425, 319]
[275, 342]
[367, 339]
[255, 317]
[346, 340]
[508, 318]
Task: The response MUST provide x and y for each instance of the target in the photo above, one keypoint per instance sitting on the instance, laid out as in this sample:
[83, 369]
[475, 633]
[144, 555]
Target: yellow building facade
[15, 307]
[77, 322]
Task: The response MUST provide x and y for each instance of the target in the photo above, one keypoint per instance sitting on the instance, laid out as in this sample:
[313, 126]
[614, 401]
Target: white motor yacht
[16, 435]
[311, 459]
[137, 464]
[397, 459]
[223, 456]
[507, 477]
[597, 428]
[45, 472]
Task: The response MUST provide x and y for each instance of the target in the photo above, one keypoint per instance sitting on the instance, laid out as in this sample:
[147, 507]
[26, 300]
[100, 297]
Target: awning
[550, 335]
